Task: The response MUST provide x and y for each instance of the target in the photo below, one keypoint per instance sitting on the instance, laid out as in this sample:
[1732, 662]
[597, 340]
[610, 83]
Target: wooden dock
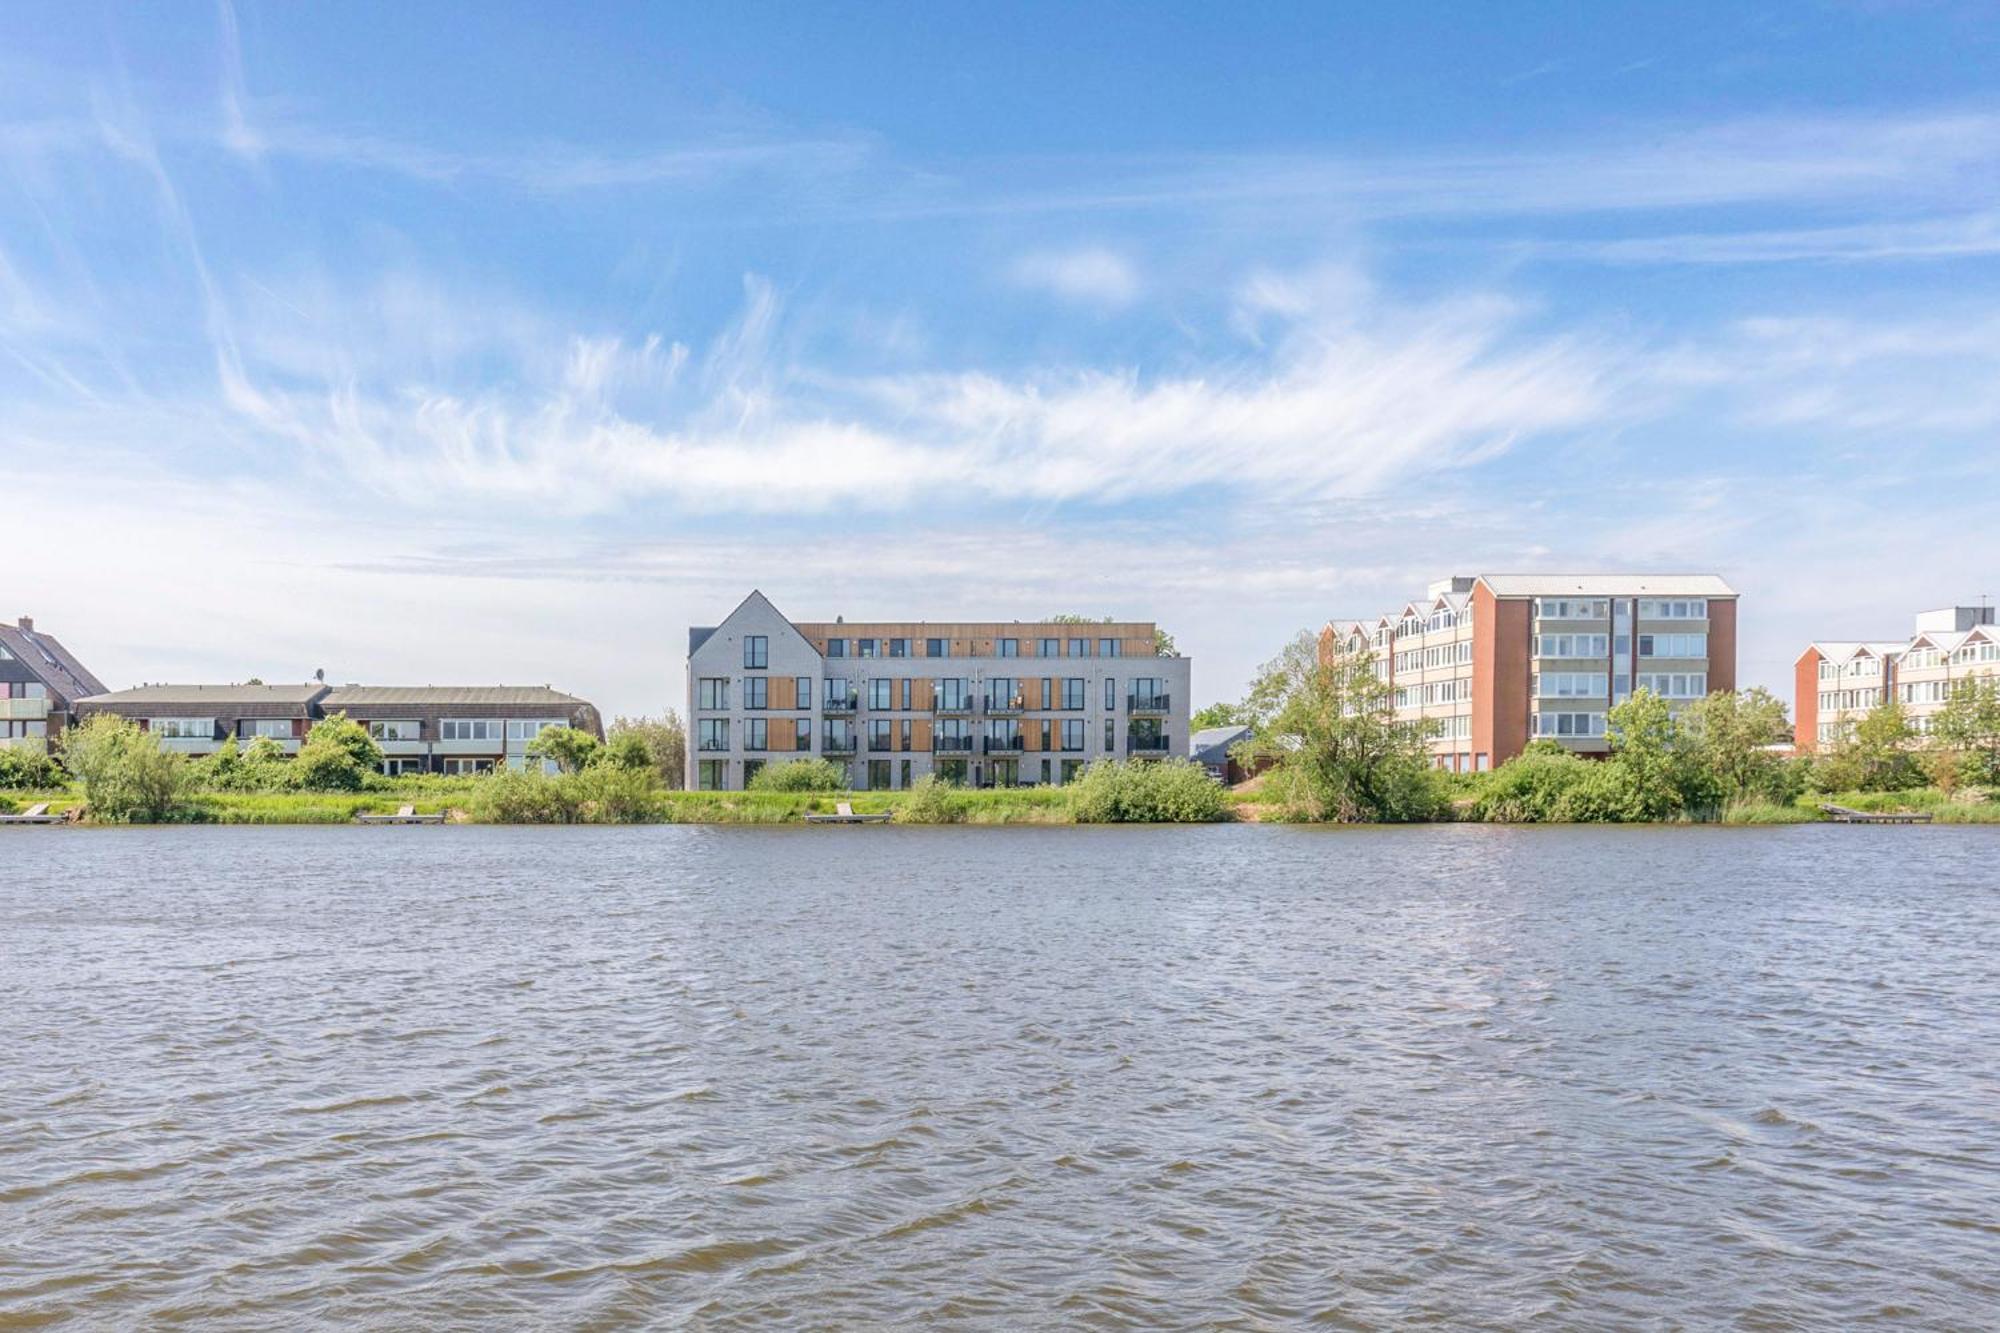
[844, 814]
[1840, 814]
[407, 815]
[34, 814]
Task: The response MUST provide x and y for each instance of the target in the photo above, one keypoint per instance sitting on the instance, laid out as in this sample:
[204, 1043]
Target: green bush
[931, 800]
[127, 778]
[512, 796]
[1529, 788]
[1172, 791]
[27, 770]
[610, 794]
[339, 755]
[800, 775]
[1608, 794]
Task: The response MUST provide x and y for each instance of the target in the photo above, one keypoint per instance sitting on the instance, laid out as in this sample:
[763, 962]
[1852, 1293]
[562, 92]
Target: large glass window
[881, 734]
[836, 647]
[1003, 692]
[1010, 647]
[712, 733]
[712, 693]
[756, 652]
[470, 729]
[1051, 648]
[183, 728]
[805, 692]
[280, 728]
[865, 647]
[878, 774]
[708, 774]
[881, 693]
[757, 734]
[1110, 694]
[802, 733]
[756, 691]
[937, 648]
[1072, 733]
[1111, 648]
[954, 692]
[1072, 693]
[410, 730]
[899, 647]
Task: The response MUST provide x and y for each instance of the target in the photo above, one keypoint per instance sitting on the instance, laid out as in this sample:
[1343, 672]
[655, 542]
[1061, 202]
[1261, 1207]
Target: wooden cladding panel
[784, 692]
[923, 698]
[920, 734]
[780, 733]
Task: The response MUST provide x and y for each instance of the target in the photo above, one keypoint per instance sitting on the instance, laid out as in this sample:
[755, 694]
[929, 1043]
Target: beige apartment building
[1493, 661]
[1836, 683]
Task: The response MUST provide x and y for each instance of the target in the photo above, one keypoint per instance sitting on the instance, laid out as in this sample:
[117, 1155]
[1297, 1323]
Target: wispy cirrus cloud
[1093, 276]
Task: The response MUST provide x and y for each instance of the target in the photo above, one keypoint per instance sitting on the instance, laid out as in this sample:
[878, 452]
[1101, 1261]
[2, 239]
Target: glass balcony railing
[953, 706]
[1145, 745]
[843, 704]
[1003, 745]
[951, 745]
[1148, 703]
[837, 745]
[1001, 705]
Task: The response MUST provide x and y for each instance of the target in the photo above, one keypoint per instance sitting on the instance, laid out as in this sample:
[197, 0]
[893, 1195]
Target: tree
[1220, 715]
[338, 755]
[127, 777]
[1875, 756]
[1327, 723]
[1965, 734]
[627, 750]
[568, 748]
[665, 739]
[1731, 733]
[1659, 777]
[27, 770]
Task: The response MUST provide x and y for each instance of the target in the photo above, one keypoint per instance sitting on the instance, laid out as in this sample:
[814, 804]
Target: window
[836, 647]
[280, 728]
[751, 768]
[1149, 692]
[1110, 734]
[804, 692]
[802, 733]
[1110, 648]
[1010, 647]
[1680, 608]
[1072, 733]
[906, 775]
[881, 693]
[527, 731]
[708, 774]
[1051, 647]
[1043, 727]
[1574, 685]
[471, 729]
[1001, 693]
[1568, 724]
[381, 731]
[937, 648]
[1072, 694]
[953, 693]
[1572, 645]
[184, 728]
[711, 733]
[712, 693]
[757, 734]
[1679, 684]
[756, 691]
[756, 652]
[866, 647]
[461, 767]
[839, 693]
[899, 647]
[1560, 608]
[1110, 694]
[1673, 645]
[881, 734]
[1070, 769]
[878, 774]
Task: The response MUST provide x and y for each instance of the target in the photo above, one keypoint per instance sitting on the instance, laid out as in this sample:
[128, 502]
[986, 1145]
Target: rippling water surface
[1242, 1077]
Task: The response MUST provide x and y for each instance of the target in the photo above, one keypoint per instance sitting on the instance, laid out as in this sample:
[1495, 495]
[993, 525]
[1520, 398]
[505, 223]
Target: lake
[1187, 1077]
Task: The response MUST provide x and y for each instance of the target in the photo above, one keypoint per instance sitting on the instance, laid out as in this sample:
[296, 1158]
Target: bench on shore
[407, 815]
[34, 814]
[1840, 814]
[844, 814]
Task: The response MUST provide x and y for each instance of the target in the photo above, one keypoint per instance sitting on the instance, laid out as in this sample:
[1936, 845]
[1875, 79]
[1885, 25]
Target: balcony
[1004, 705]
[1149, 703]
[951, 745]
[837, 744]
[1003, 745]
[23, 710]
[705, 747]
[952, 707]
[843, 705]
[1146, 747]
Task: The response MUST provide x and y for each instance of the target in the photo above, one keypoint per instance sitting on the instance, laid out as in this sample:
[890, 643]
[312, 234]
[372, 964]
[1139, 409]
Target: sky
[500, 343]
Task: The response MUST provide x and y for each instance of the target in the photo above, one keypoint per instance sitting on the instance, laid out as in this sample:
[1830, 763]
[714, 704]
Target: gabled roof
[220, 695]
[697, 637]
[1607, 585]
[1216, 739]
[1844, 650]
[46, 657]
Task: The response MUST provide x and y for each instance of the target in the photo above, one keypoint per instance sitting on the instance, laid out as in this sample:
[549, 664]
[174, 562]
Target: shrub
[627, 749]
[567, 748]
[126, 776]
[800, 775]
[1529, 788]
[338, 756]
[609, 794]
[1610, 793]
[930, 800]
[1173, 791]
[26, 770]
[515, 797]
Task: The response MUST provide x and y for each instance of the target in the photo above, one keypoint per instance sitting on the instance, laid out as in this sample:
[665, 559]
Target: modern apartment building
[421, 729]
[40, 684]
[982, 703]
[1497, 660]
[1835, 684]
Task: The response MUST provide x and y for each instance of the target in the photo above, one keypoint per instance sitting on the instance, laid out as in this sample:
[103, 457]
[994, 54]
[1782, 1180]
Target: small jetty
[1840, 814]
[844, 814]
[407, 815]
[34, 814]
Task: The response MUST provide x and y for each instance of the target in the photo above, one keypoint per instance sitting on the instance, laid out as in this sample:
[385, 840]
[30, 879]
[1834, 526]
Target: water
[1235, 1077]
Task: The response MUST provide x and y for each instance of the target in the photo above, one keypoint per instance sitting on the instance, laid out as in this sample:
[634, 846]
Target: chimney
[27, 623]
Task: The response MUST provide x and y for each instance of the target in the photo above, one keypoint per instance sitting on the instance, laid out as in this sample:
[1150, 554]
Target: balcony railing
[837, 745]
[24, 710]
[1003, 745]
[1146, 745]
[712, 747]
[1002, 705]
[953, 706]
[951, 745]
[842, 705]
[1148, 703]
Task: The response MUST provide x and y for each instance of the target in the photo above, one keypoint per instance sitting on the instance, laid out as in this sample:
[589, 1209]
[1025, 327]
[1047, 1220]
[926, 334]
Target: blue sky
[491, 342]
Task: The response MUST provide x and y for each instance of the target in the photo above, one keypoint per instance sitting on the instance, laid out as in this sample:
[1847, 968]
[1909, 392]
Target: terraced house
[421, 729]
[40, 683]
[1493, 661]
[989, 703]
[1836, 683]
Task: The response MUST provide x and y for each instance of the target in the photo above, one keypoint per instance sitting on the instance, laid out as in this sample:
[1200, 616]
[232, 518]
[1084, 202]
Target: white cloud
[1094, 277]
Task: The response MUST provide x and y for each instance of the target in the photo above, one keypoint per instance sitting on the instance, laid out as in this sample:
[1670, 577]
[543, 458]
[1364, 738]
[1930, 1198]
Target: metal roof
[1607, 585]
[1215, 739]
